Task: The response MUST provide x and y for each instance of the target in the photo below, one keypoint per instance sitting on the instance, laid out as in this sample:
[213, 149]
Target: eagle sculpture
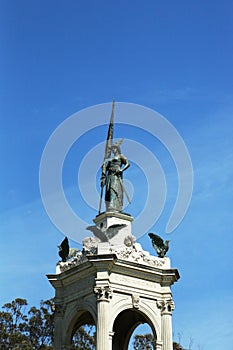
[159, 245]
[104, 234]
[65, 252]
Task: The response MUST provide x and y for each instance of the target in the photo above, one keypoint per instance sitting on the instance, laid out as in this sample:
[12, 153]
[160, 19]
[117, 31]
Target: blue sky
[172, 56]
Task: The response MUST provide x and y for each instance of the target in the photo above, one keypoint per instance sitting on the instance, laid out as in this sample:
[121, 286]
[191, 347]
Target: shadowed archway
[85, 318]
[84, 332]
[124, 326]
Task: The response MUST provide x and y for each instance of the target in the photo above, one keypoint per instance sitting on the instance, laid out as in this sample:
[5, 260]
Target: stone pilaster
[58, 324]
[159, 345]
[103, 295]
[166, 307]
[111, 334]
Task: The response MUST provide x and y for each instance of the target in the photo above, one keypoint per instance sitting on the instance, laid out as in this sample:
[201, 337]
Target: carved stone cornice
[166, 306]
[103, 293]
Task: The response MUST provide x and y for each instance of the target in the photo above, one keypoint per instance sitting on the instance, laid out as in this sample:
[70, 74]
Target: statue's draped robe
[114, 186]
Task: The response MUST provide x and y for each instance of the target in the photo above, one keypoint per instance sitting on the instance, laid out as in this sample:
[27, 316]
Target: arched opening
[142, 338]
[84, 333]
[124, 326]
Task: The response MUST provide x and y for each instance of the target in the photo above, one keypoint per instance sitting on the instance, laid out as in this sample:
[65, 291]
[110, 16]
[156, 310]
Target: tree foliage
[147, 342]
[85, 338]
[23, 328]
[144, 342]
[177, 346]
[27, 330]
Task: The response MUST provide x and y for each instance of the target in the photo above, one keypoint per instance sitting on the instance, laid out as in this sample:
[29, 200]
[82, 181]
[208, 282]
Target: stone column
[166, 307]
[58, 326]
[104, 295]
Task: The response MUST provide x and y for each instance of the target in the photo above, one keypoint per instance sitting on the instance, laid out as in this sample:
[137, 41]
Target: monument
[113, 283]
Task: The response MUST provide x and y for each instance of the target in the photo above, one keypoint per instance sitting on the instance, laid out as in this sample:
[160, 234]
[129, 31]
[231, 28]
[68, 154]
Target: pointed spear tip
[112, 115]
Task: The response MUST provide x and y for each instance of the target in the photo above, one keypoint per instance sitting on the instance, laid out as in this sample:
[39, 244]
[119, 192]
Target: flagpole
[107, 153]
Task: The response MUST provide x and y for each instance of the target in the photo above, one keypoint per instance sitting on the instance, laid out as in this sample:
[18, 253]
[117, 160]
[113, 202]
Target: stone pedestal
[115, 290]
[106, 219]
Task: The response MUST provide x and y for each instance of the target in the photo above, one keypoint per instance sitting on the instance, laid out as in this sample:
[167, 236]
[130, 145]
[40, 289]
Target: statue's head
[115, 149]
[116, 146]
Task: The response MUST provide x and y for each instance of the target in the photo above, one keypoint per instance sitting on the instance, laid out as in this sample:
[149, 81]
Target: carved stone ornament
[77, 260]
[135, 253]
[103, 293]
[60, 310]
[130, 240]
[135, 301]
[166, 306]
[90, 244]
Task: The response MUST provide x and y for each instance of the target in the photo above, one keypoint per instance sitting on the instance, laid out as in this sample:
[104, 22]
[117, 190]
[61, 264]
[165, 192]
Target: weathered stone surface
[128, 281]
[107, 219]
[116, 285]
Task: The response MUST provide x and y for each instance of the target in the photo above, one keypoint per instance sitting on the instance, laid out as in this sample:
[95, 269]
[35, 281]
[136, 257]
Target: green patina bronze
[114, 164]
[112, 176]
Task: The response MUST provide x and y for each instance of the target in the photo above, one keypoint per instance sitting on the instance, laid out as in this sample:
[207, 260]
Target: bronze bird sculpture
[65, 252]
[159, 245]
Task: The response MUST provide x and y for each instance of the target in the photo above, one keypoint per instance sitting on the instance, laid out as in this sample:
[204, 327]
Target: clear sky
[175, 57]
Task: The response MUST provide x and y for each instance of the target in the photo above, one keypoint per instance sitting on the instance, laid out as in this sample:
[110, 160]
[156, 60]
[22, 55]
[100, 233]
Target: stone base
[107, 219]
[116, 292]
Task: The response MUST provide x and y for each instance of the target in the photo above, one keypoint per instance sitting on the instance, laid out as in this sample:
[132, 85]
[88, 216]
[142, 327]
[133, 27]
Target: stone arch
[78, 314]
[147, 308]
[124, 326]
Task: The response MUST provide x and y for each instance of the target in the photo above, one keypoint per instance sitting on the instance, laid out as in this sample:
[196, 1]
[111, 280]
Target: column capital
[59, 310]
[103, 293]
[166, 306]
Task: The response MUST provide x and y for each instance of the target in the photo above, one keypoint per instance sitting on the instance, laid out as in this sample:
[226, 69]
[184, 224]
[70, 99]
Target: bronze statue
[112, 170]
